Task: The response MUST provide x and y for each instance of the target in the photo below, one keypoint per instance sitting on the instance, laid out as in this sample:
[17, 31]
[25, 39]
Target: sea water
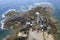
[20, 5]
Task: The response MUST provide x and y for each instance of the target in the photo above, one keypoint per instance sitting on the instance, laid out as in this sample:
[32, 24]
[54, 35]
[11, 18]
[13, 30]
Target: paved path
[48, 37]
[39, 36]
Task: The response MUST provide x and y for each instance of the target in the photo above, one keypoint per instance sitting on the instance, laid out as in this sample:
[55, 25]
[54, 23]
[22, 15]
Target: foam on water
[30, 7]
[44, 4]
[2, 24]
[3, 16]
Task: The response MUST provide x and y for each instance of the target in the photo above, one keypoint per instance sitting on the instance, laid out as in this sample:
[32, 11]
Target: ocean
[20, 5]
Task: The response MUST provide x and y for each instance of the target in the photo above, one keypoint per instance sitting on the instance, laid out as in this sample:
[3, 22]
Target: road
[48, 37]
[34, 35]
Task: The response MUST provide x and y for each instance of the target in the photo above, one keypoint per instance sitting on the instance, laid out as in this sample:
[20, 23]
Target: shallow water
[23, 4]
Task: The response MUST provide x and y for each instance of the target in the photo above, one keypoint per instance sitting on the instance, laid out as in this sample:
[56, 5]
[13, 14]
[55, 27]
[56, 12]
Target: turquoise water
[6, 5]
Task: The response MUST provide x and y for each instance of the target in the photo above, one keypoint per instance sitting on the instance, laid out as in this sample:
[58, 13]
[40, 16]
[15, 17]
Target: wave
[43, 4]
[30, 7]
[3, 16]
[2, 24]
[37, 4]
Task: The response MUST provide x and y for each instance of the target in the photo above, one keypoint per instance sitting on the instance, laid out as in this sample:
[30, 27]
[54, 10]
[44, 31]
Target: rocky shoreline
[17, 20]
